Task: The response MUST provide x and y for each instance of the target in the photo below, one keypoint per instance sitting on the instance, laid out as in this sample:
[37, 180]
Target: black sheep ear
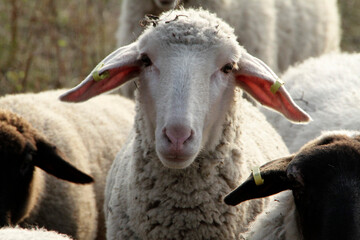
[52, 160]
[274, 181]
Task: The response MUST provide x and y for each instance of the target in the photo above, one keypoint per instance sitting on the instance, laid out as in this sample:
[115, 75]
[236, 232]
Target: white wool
[17, 233]
[277, 221]
[140, 188]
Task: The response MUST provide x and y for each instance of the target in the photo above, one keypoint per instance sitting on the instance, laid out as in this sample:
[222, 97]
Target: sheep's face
[189, 63]
[185, 91]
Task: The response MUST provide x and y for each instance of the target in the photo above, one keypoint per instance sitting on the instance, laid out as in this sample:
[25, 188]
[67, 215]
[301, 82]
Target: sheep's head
[324, 178]
[188, 64]
[21, 150]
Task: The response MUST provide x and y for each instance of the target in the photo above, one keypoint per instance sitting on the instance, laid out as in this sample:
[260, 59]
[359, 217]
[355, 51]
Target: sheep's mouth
[176, 161]
[176, 158]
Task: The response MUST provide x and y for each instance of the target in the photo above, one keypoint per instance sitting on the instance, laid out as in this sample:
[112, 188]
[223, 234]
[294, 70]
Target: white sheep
[194, 136]
[280, 32]
[328, 88]
[17, 233]
[83, 135]
[323, 204]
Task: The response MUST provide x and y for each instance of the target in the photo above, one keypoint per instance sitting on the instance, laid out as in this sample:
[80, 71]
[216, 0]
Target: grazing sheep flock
[328, 89]
[194, 136]
[279, 32]
[324, 178]
[39, 131]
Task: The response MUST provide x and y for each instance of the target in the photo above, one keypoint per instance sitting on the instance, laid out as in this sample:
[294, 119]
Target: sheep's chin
[176, 163]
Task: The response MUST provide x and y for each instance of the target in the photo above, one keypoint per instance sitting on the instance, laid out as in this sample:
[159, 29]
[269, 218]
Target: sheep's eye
[145, 60]
[227, 67]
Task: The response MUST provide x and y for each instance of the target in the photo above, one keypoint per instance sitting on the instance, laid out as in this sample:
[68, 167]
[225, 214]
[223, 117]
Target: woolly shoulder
[277, 221]
[259, 134]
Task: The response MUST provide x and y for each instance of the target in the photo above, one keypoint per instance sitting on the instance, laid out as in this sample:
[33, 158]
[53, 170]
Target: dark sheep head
[325, 179]
[22, 149]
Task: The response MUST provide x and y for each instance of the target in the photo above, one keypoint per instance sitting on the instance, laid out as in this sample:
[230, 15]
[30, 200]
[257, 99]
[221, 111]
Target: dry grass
[350, 12]
[46, 44]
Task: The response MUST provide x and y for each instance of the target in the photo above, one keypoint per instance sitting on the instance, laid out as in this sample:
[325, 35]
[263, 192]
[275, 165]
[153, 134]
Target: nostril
[190, 137]
[166, 136]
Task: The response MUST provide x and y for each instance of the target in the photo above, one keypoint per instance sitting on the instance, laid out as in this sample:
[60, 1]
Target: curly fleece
[146, 200]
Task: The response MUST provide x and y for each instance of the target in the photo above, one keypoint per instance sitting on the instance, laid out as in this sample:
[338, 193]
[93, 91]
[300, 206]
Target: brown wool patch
[14, 132]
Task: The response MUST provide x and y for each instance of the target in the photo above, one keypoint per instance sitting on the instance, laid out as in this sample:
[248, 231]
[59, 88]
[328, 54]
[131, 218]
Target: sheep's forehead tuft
[192, 27]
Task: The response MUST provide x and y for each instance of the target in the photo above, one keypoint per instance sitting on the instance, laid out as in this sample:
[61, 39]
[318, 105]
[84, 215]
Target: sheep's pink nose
[178, 135]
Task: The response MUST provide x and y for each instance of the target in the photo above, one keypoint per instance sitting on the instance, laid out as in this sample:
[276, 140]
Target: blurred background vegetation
[47, 44]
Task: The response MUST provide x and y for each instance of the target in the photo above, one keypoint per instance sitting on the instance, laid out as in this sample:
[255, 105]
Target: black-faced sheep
[22, 149]
[325, 184]
[46, 134]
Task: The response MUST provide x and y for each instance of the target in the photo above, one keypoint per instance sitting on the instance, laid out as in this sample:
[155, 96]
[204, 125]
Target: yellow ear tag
[276, 85]
[98, 77]
[257, 176]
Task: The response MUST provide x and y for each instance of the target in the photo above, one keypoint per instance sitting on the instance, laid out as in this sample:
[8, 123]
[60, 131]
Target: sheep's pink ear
[256, 78]
[117, 68]
[274, 177]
